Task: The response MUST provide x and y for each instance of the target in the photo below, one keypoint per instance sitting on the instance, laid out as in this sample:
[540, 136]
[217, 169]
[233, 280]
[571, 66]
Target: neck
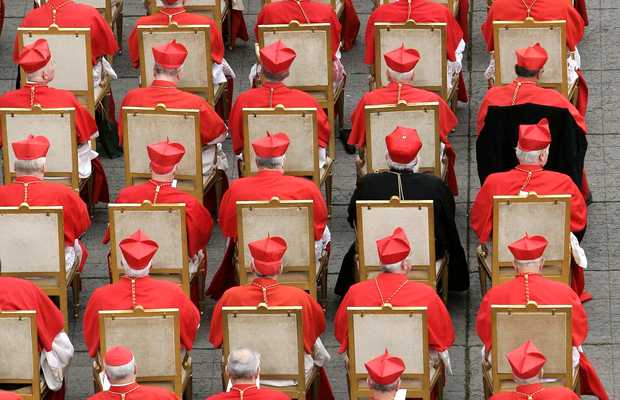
[123, 382]
[530, 165]
[374, 395]
[528, 79]
[166, 78]
[281, 170]
[173, 6]
[529, 271]
[166, 178]
[37, 174]
[250, 381]
[271, 277]
[273, 82]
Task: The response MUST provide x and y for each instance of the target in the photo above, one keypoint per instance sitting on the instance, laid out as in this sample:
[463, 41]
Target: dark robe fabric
[416, 186]
[495, 146]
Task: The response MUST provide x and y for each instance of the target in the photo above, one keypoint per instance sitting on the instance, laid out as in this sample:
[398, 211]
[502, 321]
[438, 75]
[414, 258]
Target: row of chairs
[153, 335]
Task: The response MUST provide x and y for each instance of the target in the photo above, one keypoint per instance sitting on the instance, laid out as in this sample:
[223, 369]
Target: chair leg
[119, 31]
[76, 288]
[64, 308]
[328, 192]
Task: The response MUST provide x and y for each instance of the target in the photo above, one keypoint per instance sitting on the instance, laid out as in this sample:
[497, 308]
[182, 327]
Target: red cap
[267, 254]
[271, 146]
[165, 155]
[394, 248]
[170, 55]
[31, 148]
[528, 247]
[118, 356]
[276, 57]
[526, 361]
[138, 250]
[534, 137]
[402, 59]
[385, 369]
[34, 56]
[532, 58]
[403, 145]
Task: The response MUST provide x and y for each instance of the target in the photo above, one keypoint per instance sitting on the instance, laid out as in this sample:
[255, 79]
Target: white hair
[120, 372]
[270, 163]
[530, 157]
[135, 273]
[411, 166]
[26, 167]
[159, 69]
[399, 76]
[392, 267]
[529, 264]
[384, 388]
[528, 381]
[243, 364]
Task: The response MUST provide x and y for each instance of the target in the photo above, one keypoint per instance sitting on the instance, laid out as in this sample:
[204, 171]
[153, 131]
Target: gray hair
[160, 70]
[528, 381]
[529, 264]
[270, 163]
[121, 372]
[275, 76]
[243, 364]
[390, 387]
[392, 267]
[530, 157]
[26, 167]
[412, 166]
[399, 76]
[135, 273]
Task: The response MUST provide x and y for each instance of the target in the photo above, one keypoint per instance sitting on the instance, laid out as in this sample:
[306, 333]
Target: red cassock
[511, 183]
[198, 219]
[501, 96]
[165, 92]
[304, 11]
[149, 293]
[73, 15]
[76, 220]
[270, 95]
[49, 97]
[134, 391]
[7, 395]
[420, 11]
[544, 292]
[181, 17]
[265, 185]
[541, 10]
[250, 392]
[538, 392]
[21, 295]
[392, 93]
[412, 294]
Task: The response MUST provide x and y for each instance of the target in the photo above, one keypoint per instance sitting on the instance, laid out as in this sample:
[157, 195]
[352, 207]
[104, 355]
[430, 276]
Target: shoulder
[273, 394]
[157, 392]
[60, 190]
[558, 177]
[561, 393]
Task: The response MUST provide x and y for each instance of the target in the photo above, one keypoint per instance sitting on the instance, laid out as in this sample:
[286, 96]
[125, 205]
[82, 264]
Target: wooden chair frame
[63, 281]
[148, 207]
[209, 92]
[530, 308]
[179, 386]
[494, 271]
[198, 185]
[5, 113]
[380, 80]
[313, 276]
[428, 382]
[89, 98]
[402, 106]
[296, 392]
[38, 391]
[212, 11]
[325, 95]
[531, 24]
[432, 277]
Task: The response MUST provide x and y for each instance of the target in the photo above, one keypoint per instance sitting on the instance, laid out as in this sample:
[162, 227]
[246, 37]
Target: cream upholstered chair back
[196, 75]
[163, 223]
[19, 349]
[546, 215]
[58, 125]
[549, 327]
[72, 57]
[280, 343]
[23, 226]
[312, 43]
[153, 337]
[512, 35]
[428, 38]
[381, 120]
[146, 125]
[259, 219]
[300, 124]
[378, 218]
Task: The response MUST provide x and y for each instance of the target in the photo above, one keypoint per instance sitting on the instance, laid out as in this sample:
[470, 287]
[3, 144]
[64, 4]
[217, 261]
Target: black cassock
[416, 186]
[495, 146]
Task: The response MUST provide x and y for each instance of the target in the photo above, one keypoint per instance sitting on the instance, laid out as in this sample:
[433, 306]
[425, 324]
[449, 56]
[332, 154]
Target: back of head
[276, 60]
[403, 146]
[401, 63]
[384, 373]
[243, 364]
[270, 150]
[533, 144]
[30, 154]
[137, 251]
[393, 251]
[120, 365]
[530, 61]
[528, 253]
[169, 59]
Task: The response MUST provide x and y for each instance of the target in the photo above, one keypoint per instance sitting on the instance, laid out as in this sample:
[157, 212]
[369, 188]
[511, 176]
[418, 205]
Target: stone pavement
[599, 59]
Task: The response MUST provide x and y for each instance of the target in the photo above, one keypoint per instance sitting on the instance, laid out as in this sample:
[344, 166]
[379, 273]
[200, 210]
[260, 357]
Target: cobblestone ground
[599, 59]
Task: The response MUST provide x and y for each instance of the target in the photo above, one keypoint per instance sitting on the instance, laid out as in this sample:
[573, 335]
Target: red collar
[524, 82]
[159, 183]
[172, 11]
[56, 3]
[264, 281]
[274, 85]
[528, 168]
[161, 83]
[124, 389]
[270, 172]
[35, 84]
[27, 179]
[529, 389]
[394, 85]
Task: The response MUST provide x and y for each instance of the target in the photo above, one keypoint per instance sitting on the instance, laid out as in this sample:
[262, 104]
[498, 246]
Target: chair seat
[321, 95]
[310, 377]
